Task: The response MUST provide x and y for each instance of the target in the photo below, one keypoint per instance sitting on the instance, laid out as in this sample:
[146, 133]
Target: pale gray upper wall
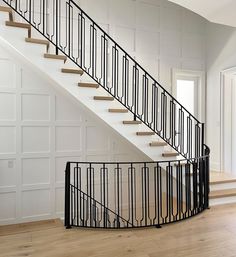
[222, 12]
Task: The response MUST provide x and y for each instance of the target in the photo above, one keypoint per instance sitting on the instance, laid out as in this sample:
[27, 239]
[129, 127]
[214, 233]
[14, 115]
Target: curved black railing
[81, 39]
[135, 194]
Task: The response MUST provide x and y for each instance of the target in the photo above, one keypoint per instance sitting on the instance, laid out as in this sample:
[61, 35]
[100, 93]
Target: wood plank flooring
[211, 234]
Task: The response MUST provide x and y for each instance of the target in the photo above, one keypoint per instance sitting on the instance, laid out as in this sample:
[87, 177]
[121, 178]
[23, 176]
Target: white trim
[230, 72]
[221, 121]
[200, 75]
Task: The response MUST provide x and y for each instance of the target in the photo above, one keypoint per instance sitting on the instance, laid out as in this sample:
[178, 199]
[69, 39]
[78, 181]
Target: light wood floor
[211, 234]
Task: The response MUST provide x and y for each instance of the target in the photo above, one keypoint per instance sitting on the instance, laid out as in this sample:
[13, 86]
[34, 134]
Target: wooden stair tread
[88, 85]
[72, 71]
[118, 110]
[37, 41]
[18, 24]
[103, 98]
[222, 193]
[157, 143]
[145, 133]
[7, 9]
[170, 154]
[56, 57]
[132, 122]
[233, 180]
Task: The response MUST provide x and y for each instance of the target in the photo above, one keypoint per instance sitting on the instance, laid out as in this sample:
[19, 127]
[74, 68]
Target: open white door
[188, 89]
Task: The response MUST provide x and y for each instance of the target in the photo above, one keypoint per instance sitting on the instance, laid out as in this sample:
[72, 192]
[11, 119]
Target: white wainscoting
[160, 35]
[40, 130]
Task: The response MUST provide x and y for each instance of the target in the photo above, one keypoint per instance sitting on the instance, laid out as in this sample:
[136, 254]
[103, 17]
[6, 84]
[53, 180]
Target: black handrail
[80, 38]
[206, 154]
[136, 63]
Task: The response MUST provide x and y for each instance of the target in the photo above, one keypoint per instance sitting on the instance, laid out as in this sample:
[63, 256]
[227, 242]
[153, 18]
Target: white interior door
[187, 90]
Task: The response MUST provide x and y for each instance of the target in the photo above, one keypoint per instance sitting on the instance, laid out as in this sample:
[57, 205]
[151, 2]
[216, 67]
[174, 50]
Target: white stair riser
[222, 200]
[223, 186]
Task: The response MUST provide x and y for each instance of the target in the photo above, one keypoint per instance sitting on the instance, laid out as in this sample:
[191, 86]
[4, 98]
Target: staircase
[76, 81]
[89, 65]
[223, 189]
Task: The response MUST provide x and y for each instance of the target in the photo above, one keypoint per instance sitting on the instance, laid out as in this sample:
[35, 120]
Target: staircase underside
[64, 75]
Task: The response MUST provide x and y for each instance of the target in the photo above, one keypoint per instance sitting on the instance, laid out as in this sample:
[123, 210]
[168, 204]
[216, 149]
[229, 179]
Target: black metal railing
[88, 211]
[135, 194]
[80, 38]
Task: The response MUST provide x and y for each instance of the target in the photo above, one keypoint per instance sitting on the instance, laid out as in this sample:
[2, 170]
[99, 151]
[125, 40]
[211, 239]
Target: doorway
[188, 87]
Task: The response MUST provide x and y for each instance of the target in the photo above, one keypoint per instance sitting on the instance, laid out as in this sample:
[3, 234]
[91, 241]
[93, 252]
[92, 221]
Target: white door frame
[200, 76]
[227, 72]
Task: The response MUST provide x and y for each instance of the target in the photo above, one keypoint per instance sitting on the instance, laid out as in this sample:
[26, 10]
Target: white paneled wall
[158, 34]
[221, 56]
[40, 130]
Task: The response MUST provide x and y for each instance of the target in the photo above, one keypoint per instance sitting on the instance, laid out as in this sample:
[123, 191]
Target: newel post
[67, 196]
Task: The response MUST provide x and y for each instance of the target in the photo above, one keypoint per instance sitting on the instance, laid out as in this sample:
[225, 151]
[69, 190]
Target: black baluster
[67, 196]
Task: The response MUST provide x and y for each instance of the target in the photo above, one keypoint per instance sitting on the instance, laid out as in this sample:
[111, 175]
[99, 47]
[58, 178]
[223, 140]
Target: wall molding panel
[160, 35]
[40, 130]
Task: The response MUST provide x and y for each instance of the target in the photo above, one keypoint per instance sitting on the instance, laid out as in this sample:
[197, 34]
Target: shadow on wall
[220, 55]
[221, 42]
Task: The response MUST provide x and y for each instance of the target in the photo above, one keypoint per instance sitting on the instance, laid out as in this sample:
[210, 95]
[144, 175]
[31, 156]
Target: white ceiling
[218, 11]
